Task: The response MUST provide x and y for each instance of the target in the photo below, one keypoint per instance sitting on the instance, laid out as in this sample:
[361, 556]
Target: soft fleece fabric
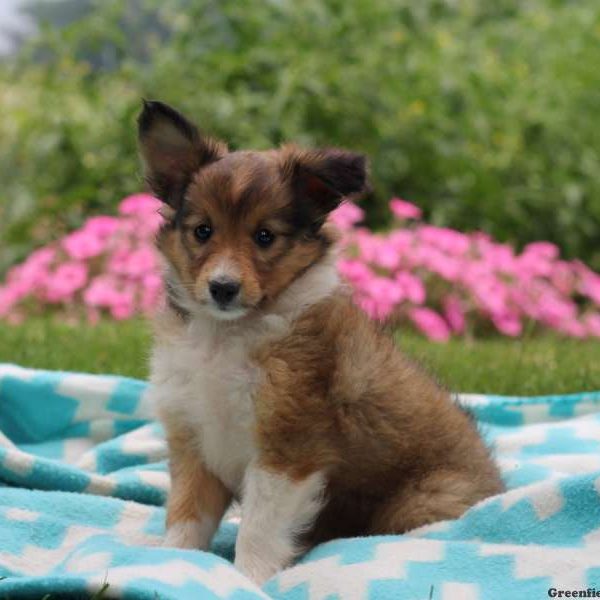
[83, 479]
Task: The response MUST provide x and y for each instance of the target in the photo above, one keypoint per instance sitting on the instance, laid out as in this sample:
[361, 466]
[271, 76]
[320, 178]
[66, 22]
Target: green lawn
[538, 365]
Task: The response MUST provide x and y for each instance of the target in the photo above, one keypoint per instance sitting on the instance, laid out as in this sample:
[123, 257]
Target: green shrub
[483, 113]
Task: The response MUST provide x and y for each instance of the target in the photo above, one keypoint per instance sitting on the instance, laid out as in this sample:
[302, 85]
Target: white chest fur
[206, 380]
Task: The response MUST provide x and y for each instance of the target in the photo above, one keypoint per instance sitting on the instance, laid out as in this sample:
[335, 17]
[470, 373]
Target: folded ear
[321, 179]
[173, 150]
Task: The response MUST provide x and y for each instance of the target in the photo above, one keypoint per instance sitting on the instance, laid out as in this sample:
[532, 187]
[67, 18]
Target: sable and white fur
[273, 388]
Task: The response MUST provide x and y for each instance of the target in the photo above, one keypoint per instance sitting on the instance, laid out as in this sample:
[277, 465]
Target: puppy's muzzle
[224, 291]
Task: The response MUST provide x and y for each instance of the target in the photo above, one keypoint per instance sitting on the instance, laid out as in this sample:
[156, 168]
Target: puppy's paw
[261, 557]
[256, 567]
[185, 535]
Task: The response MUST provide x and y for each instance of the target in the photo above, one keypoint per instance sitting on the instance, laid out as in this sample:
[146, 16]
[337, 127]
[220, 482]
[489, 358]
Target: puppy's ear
[321, 179]
[173, 150]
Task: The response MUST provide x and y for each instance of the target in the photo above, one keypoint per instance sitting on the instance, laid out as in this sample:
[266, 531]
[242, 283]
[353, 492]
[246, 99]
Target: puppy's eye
[264, 238]
[203, 232]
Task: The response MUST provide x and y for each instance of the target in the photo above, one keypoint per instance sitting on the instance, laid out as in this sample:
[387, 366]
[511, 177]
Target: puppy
[273, 388]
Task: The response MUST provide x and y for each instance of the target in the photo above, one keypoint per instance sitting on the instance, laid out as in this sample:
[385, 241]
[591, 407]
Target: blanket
[83, 479]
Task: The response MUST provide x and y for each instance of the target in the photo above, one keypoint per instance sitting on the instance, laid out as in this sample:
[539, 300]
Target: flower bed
[442, 281]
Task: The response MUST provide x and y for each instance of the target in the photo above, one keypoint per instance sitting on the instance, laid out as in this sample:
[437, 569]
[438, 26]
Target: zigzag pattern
[83, 478]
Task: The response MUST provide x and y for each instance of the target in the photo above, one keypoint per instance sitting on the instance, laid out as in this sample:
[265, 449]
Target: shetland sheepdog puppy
[274, 389]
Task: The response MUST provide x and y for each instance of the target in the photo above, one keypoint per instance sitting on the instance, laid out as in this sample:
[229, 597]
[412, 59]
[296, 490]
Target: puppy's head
[240, 226]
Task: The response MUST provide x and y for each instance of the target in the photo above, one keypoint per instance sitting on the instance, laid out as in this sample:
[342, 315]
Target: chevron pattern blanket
[83, 478]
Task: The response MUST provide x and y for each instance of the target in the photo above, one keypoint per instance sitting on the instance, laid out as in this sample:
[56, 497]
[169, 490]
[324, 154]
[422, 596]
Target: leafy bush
[483, 111]
[439, 280]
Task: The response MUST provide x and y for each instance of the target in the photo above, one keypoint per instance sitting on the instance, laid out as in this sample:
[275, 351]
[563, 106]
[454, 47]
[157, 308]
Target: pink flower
[508, 324]
[499, 257]
[83, 244]
[41, 258]
[8, 299]
[101, 227]
[66, 280]
[123, 306]
[404, 210]
[448, 240]
[105, 292]
[31, 276]
[102, 292]
[118, 262]
[430, 323]
[139, 204]
[28, 277]
[354, 270]
[454, 313]
[141, 261]
[590, 284]
[563, 277]
[110, 267]
[151, 292]
[411, 286]
[490, 294]
[383, 290]
[386, 255]
[144, 227]
[531, 264]
[555, 310]
[402, 240]
[346, 215]
[376, 310]
[545, 250]
[378, 296]
[446, 266]
[572, 328]
[368, 245]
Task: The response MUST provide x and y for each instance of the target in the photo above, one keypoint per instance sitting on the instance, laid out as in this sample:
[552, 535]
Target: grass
[108, 347]
[531, 366]
[534, 365]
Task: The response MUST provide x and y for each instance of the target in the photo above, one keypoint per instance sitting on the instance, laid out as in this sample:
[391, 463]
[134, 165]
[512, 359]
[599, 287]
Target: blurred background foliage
[483, 113]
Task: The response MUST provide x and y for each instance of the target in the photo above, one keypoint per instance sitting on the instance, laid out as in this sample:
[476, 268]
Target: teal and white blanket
[83, 479]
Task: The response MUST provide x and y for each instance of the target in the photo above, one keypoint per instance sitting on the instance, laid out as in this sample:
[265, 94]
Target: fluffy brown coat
[335, 396]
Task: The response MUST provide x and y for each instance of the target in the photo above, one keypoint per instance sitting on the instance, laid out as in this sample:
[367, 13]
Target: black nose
[223, 291]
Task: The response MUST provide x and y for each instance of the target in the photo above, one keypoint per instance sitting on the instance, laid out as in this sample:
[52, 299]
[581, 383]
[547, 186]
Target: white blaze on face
[225, 268]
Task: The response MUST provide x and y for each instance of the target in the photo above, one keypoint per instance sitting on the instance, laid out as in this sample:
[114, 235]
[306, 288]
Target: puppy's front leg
[197, 499]
[275, 509]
